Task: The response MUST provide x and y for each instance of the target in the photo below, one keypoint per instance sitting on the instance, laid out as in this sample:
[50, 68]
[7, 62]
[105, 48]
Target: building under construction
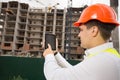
[22, 29]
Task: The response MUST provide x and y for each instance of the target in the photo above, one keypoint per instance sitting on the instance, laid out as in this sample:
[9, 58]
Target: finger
[42, 43]
[56, 43]
[49, 46]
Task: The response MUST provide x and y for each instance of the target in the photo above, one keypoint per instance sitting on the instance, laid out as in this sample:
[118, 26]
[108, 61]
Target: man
[102, 61]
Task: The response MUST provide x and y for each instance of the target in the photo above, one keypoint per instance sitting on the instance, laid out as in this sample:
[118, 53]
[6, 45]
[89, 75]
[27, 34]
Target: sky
[62, 3]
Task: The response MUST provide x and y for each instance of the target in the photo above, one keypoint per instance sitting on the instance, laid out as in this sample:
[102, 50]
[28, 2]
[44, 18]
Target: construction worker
[102, 61]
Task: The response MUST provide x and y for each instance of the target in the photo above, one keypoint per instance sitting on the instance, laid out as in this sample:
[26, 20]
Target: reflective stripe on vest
[109, 50]
[112, 51]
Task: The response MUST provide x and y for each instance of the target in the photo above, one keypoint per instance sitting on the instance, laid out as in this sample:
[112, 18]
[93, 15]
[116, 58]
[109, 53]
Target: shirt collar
[99, 48]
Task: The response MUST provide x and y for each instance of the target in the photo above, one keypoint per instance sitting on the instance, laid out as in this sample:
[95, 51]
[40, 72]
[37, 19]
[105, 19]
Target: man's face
[85, 36]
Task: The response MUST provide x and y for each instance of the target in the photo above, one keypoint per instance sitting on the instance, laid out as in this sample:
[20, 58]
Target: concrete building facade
[13, 22]
[22, 30]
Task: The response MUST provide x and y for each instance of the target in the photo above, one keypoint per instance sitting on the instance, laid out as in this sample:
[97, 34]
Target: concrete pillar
[54, 20]
[119, 21]
[115, 35]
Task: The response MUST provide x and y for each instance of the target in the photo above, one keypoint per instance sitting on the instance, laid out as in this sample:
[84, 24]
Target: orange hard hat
[100, 12]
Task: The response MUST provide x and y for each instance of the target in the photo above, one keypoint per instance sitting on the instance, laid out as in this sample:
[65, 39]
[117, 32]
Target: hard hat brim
[79, 22]
[76, 24]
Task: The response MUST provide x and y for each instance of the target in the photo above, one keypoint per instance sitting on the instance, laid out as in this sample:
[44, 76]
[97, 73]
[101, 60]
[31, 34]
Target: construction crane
[38, 1]
[50, 7]
[35, 3]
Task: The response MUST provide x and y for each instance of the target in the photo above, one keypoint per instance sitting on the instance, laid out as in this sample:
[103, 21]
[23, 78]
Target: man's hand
[48, 51]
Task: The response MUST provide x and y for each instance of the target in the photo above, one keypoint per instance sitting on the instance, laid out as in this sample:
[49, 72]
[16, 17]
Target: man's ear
[95, 31]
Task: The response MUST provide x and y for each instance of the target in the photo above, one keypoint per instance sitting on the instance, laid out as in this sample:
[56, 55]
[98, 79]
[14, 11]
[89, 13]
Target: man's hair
[105, 28]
